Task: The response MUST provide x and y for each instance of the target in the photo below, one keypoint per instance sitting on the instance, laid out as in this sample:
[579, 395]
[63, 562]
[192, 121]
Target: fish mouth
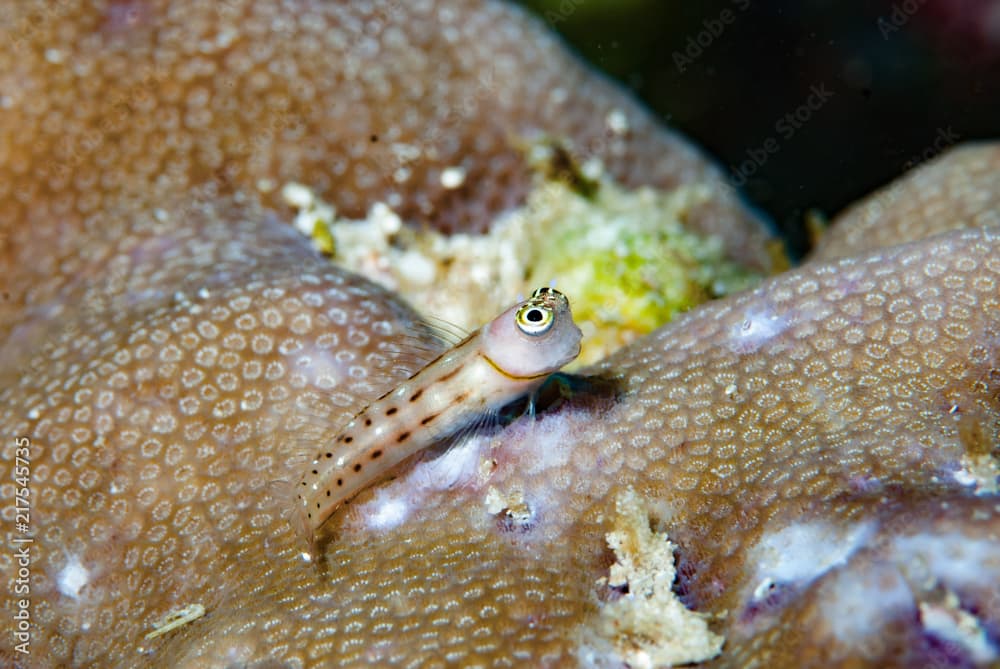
[517, 377]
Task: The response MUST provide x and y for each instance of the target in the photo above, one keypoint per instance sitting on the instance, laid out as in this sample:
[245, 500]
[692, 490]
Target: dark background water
[808, 105]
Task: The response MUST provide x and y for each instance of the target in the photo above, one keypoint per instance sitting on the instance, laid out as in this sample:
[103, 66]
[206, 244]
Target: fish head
[533, 338]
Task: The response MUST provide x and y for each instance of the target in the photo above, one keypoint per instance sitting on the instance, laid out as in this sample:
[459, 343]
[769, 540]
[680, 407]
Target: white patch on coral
[858, 603]
[530, 454]
[801, 552]
[72, 578]
[452, 177]
[617, 121]
[755, 330]
[546, 442]
[947, 621]
[953, 558]
[526, 453]
[982, 473]
[648, 626]
[387, 512]
[392, 504]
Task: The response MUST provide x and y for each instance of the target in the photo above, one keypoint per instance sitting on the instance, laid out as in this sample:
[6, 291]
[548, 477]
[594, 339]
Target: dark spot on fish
[415, 396]
[315, 472]
[461, 398]
[368, 422]
[317, 505]
[357, 467]
[428, 419]
[376, 455]
[327, 493]
[340, 481]
[403, 437]
[348, 439]
[329, 455]
[390, 411]
[450, 374]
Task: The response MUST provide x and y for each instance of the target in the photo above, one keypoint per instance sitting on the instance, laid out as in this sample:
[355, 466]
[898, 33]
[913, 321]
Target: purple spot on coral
[940, 654]
[864, 484]
[122, 17]
[768, 602]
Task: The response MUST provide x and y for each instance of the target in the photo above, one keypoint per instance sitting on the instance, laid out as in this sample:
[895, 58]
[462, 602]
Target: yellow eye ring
[534, 319]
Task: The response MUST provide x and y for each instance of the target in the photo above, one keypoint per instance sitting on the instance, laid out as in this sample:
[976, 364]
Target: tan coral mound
[111, 107]
[154, 450]
[959, 189]
[172, 347]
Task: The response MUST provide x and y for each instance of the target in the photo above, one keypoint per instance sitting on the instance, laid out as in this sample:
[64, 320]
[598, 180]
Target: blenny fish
[507, 358]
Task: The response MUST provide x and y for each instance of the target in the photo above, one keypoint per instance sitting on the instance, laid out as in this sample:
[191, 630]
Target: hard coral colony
[818, 455]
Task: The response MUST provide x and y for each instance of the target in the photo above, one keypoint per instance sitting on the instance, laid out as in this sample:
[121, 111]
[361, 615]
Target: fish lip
[500, 369]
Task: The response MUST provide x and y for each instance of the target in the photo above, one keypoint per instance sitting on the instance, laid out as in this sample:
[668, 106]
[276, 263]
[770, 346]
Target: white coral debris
[648, 626]
[624, 256]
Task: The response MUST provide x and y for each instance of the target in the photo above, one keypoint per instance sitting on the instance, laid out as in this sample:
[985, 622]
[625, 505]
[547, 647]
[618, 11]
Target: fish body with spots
[507, 358]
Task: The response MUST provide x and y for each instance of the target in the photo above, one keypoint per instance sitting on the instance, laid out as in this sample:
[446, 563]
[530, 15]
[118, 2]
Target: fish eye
[533, 319]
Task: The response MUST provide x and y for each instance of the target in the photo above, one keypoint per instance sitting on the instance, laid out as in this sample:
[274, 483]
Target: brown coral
[111, 108]
[959, 189]
[173, 347]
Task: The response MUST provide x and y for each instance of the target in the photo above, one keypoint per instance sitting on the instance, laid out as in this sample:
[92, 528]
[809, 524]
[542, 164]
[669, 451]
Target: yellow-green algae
[623, 257]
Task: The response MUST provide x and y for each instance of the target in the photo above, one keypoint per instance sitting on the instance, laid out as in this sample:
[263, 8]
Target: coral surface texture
[803, 474]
